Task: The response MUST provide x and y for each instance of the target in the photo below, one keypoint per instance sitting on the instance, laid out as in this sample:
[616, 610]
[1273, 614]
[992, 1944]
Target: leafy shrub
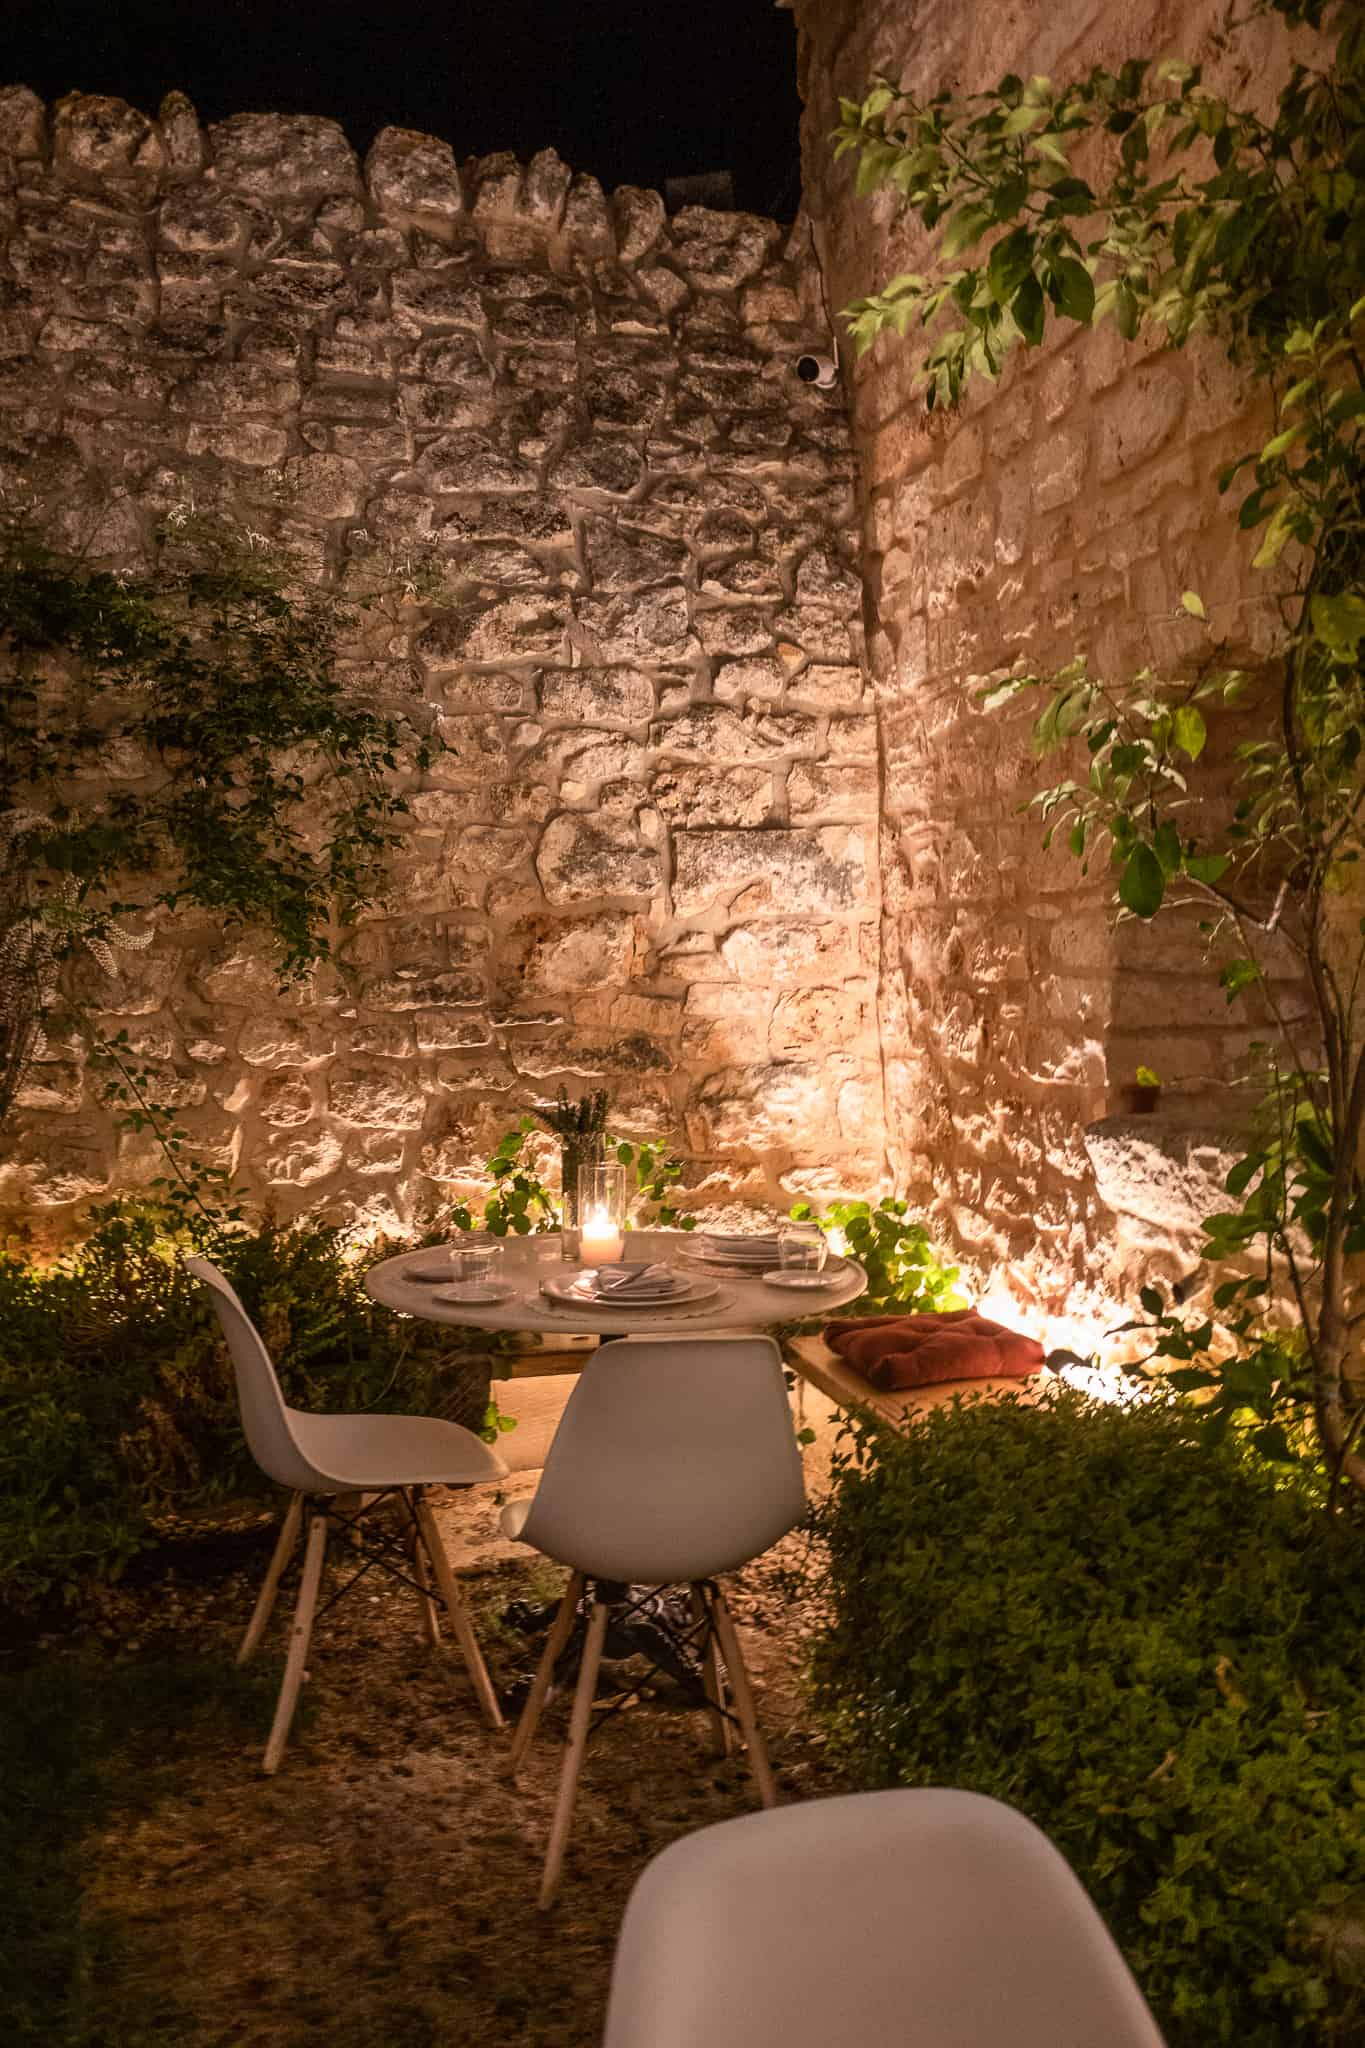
[1151, 1644]
[896, 1253]
[117, 1404]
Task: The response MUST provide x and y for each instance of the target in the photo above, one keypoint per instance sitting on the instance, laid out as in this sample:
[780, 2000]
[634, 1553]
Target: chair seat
[512, 1520]
[362, 1452]
[910, 1918]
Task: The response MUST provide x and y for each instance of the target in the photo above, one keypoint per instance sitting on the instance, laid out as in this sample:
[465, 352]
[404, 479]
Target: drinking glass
[474, 1260]
[802, 1249]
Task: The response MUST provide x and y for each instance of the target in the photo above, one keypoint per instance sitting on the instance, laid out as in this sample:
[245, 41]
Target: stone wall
[646, 858]
[1068, 507]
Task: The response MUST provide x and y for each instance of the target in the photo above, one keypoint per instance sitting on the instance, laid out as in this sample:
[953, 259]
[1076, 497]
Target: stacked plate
[744, 1251]
[621, 1287]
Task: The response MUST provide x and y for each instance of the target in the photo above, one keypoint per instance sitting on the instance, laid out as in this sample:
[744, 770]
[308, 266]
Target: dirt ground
[382, 1888]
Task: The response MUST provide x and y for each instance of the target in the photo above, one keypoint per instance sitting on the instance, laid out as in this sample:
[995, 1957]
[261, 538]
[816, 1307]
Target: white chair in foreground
[903, 1919]
[366, 1457]
[675, 1460]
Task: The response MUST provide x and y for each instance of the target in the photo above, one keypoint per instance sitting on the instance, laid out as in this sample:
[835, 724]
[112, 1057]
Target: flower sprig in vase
[581, 1128]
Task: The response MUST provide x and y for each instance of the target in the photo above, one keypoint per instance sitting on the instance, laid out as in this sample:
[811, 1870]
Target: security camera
[821, 371]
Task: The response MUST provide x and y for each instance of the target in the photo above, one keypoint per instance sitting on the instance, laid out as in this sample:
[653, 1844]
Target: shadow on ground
[378, 1893]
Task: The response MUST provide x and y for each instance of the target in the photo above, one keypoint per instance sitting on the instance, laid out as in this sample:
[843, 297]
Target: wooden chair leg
[298, 1638]
[560, 1630]
[722, 1734]
[573, 1755]
[744, 1699]
[429, 1622]
[457, 1608]
[265, 1599]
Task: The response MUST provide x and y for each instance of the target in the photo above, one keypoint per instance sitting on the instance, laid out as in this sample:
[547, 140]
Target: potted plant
[1142, 1096]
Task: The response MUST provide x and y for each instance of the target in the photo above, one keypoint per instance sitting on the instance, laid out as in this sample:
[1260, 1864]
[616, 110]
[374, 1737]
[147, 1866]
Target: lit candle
[599, 1241]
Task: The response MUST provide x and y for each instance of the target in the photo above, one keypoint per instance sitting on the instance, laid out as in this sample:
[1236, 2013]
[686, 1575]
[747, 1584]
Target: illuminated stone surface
[1066, 507]
[635, 633]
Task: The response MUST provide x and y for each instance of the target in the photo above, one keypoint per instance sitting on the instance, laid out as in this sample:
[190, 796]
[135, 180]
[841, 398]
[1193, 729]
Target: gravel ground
[382, 1888]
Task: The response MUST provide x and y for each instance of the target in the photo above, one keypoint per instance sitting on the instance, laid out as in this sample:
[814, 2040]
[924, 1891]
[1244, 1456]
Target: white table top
[744, 1302]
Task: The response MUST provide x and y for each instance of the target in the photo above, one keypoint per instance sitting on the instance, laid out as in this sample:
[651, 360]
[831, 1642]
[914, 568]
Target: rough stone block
[23, 123]
[414, 175]
[388, 1100]
[639, 218]
[580, 858]
[831, 792]
[97, 139]
[810, 872]
[597, 696]
[1058, 471]
[651, 625]
[710, 796]
[1140, 418]
[302, 1162]
[712, 733]
[621, 558]
[283, 156]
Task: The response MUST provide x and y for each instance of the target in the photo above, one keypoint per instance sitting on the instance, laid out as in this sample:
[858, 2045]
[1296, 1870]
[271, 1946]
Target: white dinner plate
[764, 1256]
[428, 1270]
[719, 1262]
[778, 1276]
[577, 1289]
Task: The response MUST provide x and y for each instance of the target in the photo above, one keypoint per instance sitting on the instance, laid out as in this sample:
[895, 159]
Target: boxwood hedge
[1152, 1645]
[117, 1406]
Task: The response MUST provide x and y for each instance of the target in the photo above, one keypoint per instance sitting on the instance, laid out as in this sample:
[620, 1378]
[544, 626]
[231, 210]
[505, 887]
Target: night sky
[633, 90]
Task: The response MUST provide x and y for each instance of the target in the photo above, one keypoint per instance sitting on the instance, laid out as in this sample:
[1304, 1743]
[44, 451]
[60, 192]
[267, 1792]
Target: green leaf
[1029, 310]
[1126, 311]
[1143, 883]
[1279, 444]
[1193, 603]
[1188, 730]
[1010, 262]
[1167, 848]
[1024, 120]
[1151, 1300]
[1279, 531]
[1339, 622]
[1075, 289]
[1237, 975]
[966, 226]
[1271, 1441]
[1209, 868]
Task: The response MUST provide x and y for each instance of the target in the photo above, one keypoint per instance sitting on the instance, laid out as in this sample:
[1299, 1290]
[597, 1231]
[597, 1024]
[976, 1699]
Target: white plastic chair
[903, 1919]
[674, 1460]
[368, 1457]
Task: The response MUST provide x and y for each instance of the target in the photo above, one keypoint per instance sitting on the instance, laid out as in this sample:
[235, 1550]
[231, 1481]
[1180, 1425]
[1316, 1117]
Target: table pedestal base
[644, 1621]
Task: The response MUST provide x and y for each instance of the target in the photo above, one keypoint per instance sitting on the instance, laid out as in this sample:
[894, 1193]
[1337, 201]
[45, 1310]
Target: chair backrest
[675, 1458]
[902, 1919]
[265, 1418]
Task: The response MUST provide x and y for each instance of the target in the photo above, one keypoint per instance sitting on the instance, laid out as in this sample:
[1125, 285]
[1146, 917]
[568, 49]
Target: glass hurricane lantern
[577, 1155]
[601, 1212]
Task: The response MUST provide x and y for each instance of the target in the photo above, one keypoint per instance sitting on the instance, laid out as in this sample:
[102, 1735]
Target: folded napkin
[627, 1280]
[923, 1350]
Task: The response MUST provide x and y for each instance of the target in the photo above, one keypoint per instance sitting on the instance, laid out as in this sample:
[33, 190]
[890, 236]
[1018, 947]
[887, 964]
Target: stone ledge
[1166, 1170]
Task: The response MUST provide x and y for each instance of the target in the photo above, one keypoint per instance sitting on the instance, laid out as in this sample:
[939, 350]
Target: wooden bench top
[820, 1367]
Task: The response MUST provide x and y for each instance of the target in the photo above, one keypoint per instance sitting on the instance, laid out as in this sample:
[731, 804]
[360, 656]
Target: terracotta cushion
[922, 1350]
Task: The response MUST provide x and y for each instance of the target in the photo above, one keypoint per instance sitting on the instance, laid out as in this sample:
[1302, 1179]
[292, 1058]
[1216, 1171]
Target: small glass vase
[577, 1153]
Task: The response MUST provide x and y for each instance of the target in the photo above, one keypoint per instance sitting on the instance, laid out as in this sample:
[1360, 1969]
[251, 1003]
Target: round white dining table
[743, 1301]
